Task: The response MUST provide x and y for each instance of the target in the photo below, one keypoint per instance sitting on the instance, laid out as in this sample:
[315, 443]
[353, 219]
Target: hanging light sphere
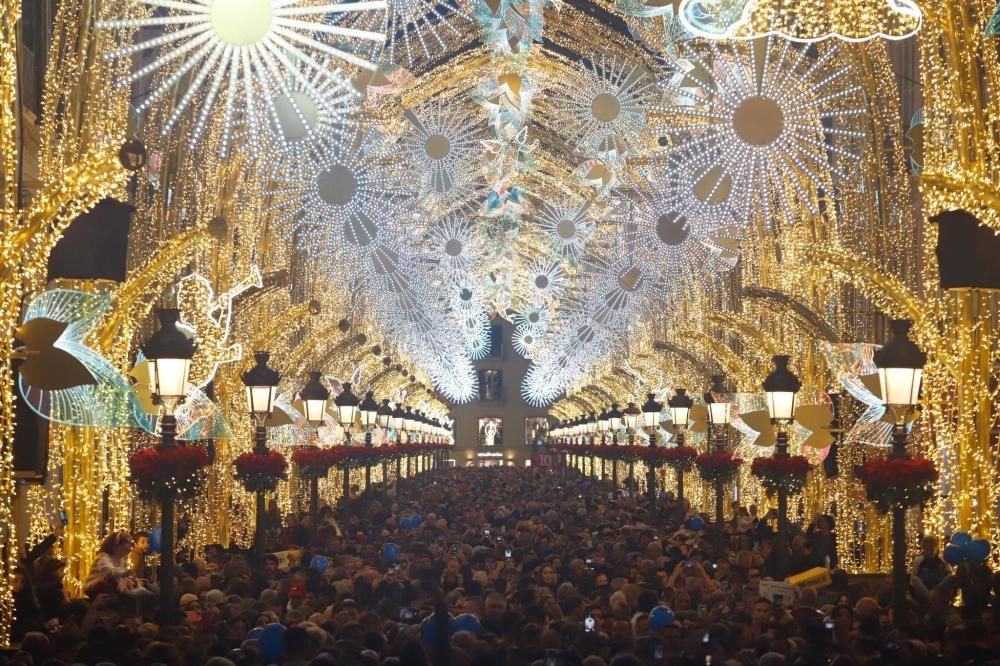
[132, 155]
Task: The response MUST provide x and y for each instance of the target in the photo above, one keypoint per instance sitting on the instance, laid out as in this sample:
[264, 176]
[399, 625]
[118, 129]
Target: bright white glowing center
[296, 123]
[337, 185]
[241, 22]
[437, 146]
[606, 107]
[566, 229]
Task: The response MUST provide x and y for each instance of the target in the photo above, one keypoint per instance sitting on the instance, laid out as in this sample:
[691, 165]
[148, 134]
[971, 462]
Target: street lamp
[650, 421]
[169, 353]
[632, 417]
[262, 387]
[614, 422]
[718, 417]
[384, 416]
[780, 388]
[347, 407]
[680, 404]
[369, 415]
[314, 397]
[900, 366]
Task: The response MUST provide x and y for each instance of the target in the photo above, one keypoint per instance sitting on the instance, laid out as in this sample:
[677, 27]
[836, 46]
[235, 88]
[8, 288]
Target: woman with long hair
[110, 573]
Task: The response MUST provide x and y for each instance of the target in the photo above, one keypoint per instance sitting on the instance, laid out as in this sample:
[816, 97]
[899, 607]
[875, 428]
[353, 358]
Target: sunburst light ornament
[683, 243]
[444, 141]
[603, 108]
[244, 48]
[348, 197]
[568, 227]
[421, 30]
[774, 124]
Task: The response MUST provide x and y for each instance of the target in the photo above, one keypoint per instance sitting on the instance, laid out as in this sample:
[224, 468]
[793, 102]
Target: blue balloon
[429, 627]
[272, 642]
[417, 519]
[156, 539]
[961, 539]
[254, 634]
[390, 552]
[660, 617]
[953, 554]
[319, 563]
[464, 622]
[978, 550]
[697, 523]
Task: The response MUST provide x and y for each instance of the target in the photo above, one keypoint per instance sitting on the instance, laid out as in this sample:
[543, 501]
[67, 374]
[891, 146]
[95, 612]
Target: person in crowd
[137, 557]
[505, 567]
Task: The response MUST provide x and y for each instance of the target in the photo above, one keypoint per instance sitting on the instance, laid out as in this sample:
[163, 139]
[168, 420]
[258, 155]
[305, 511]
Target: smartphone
[486, 531]
[392, 569]
[407, 615]
[550, 657]
[688, 564]
[454, 547]
[657, 651]
[702, 612]
[590, 561]
[779, 600]
[63, 518]
[507, 554]
[704, 638]
[589, 624]
[402, 564]
[828, 624]
[499, 539]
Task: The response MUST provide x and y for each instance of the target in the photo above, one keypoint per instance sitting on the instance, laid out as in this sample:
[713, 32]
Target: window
[536, 428]
[491, 432]
[490, 385]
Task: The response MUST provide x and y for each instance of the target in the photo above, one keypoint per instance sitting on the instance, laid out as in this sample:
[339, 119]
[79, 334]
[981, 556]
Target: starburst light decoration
[420, 31]
[455, 248]
[568, 227]
[348, 196]
[445, 144]
[546, 280]
[246, 48]
[683, 245]
[772, 123]
[602, 109]
[802, 20]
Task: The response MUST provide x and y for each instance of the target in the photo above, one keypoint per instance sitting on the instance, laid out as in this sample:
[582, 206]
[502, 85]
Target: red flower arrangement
[721, 466]
[678, 457]
[628, 453]
[354, 457]
[315, 463]
[260, 472]
[903, 482]
[789, 473]
[154, 471]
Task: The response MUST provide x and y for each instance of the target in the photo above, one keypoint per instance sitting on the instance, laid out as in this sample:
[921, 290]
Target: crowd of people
[497, 566]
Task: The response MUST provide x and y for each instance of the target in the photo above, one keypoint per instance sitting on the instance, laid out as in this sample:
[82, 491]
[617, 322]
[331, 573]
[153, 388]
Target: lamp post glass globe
[262, 387]
[780, 388]
[680, 408]
[314, 397]
[632, 416]
[900, 366]
[369, 411]
[169, 352]
[347, 406]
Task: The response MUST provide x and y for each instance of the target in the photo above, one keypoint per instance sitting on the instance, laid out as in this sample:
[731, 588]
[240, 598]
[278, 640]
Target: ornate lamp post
[398, 420]
[384, 419]
[614, 423]
[780, 388]
[410, 425]
[680, 404]
[262, 388]
[718, 419]
[369, 418]
[169, 352]
[603, 426]
[900, 366]
[631, 417]
[347, 408]
[650, 422]
[314, 398]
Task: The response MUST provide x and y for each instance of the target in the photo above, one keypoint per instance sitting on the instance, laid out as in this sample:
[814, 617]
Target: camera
[507, 553]
[407, 615]
[589, 624]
